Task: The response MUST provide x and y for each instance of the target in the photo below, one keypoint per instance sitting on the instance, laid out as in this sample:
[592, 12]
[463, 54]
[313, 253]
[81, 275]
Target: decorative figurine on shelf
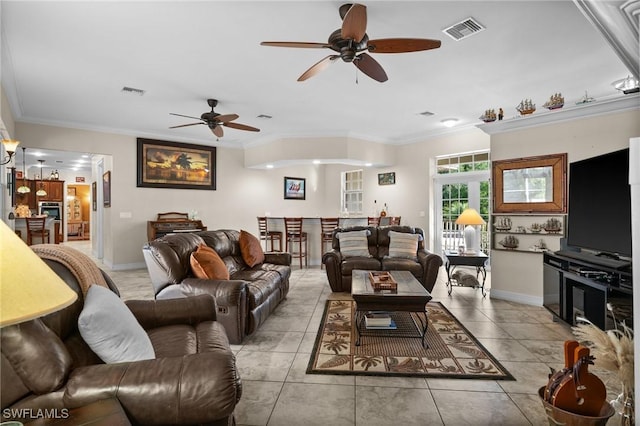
[488, 116]
[526, 106]
[556, 101]
[500, 114]
[383, 213]
[585, 99]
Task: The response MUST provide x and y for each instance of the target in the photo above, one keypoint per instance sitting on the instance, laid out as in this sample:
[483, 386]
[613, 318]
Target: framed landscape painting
[294, 188]
[163, 164]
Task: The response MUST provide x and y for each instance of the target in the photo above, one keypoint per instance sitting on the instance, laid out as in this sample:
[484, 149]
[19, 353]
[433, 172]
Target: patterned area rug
[452, 350]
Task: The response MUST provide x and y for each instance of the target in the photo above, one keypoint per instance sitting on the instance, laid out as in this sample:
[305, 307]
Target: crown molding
[591, 109]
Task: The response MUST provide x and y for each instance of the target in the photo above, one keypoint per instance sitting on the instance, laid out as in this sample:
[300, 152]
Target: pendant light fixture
[41, 192]
[24, 189]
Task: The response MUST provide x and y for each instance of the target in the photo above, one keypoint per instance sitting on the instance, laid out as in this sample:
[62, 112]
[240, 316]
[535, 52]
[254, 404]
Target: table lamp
[470, 218]
[29, 288]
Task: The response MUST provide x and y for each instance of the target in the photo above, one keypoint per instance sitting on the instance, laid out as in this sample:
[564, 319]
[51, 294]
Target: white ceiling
[65, 63]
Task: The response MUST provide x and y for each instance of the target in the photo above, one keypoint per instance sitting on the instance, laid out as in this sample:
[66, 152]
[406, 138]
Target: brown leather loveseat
[47, 367]
[424, 266]
[243, 302]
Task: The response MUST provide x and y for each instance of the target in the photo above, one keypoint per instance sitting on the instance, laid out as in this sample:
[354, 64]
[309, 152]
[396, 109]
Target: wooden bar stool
[327, 226]
[269, 236]
[389, 220]
[373, 221]
[295, 236]
[36, 228]
[395, 220]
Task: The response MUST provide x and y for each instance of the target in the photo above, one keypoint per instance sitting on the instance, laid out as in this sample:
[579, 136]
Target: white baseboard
[516, 297]
[127, 266]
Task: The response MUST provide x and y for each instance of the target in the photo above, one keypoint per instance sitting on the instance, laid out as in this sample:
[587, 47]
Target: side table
[106, 412]
[454, 259]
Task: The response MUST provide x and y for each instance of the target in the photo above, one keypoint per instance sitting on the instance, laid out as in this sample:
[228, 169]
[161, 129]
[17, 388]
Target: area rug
[452, 350]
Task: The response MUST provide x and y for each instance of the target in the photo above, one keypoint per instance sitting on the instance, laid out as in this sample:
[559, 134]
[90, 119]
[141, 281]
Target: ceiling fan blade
[186, 116]
[185, 125]
[354, 24]
[402, 45]
[241, 127]
[370, 67]
[298, 44]
[218, 131]
[226, 117]
[317, 67]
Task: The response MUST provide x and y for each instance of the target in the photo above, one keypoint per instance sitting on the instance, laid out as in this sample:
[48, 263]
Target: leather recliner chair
[424, 268]
[46, 365]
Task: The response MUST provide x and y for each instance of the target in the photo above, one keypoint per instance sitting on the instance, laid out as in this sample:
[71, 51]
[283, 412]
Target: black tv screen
[600, 204]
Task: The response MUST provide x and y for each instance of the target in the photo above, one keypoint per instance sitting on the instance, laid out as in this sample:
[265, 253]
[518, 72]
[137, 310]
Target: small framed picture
[94, 196]
[294, 188]
[387, 178]
[106, 189]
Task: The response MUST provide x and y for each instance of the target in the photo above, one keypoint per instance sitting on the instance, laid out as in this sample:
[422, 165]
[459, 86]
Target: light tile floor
[277, 391]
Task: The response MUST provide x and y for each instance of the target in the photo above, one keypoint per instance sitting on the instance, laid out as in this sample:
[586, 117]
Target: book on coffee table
[377, 319]
[392, 326]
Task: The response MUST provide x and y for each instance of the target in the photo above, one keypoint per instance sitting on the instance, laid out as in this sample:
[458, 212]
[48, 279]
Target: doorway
[463, 181]
[78, 207]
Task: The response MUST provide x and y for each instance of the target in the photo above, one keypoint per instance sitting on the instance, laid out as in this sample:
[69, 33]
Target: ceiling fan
[352, 43]
[215, 120]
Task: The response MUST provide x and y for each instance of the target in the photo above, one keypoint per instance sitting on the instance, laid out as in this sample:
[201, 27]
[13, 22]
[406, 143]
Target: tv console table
[579, 284]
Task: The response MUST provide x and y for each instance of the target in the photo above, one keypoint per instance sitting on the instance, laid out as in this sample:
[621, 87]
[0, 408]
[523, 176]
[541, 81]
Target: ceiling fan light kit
[352, 44]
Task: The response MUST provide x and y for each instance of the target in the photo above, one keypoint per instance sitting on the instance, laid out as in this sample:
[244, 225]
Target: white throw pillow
[354, 243]
[403, 245]
[111, 330]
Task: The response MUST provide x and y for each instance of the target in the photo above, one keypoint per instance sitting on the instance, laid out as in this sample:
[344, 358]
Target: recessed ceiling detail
[464, 29]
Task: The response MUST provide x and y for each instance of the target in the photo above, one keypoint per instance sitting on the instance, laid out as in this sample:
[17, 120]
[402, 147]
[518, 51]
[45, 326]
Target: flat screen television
[600, 204]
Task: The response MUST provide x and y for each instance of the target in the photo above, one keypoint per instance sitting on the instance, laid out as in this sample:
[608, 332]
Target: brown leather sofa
[243, 302]
[339, 268]
[46, 365]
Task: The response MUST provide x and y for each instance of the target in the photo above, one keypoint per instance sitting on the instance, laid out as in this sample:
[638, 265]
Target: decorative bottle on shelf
[383, 213]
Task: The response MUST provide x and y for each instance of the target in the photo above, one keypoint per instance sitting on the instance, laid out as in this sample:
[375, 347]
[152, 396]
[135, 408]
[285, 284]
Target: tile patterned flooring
[277, 391]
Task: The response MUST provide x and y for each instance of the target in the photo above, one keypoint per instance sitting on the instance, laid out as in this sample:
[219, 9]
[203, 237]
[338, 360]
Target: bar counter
[311, 225]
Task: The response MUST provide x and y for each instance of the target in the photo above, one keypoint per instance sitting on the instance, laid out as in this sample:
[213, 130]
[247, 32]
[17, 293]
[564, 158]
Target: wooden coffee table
[410, 297]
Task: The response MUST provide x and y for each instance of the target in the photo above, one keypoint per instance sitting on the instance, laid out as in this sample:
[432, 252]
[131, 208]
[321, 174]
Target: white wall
[518, 276]
[243, 193]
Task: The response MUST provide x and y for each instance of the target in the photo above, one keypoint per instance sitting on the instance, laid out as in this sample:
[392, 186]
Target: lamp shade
[28, 287]
[10, 145]
[470, 217]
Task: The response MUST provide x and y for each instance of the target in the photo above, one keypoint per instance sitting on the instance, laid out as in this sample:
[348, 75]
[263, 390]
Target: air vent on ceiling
[463, 29]
[132, 91]
[265, 116]
[426, 113]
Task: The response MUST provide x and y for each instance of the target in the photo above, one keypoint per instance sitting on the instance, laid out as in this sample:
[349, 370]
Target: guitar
[576, 390]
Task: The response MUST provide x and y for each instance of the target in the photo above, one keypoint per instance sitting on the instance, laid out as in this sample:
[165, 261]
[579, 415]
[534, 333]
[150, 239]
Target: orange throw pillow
[250, 249]
[207, 264]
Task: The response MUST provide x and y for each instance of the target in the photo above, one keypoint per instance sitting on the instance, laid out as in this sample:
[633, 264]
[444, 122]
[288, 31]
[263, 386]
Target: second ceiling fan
[214, 121]
[352, 43]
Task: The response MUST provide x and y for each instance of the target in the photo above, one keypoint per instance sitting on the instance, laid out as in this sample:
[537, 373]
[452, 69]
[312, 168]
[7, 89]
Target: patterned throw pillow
[250, 249]
[207, 264]
[403, 245]
[354, 243]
